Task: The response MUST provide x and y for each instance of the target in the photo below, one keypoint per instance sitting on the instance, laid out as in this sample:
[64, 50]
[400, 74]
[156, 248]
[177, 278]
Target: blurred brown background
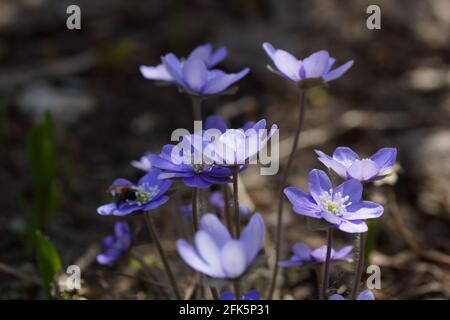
[106, 114]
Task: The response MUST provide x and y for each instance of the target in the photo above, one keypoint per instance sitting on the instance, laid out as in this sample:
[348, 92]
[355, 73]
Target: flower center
[335, 204]
[146, 193]
[198, 168]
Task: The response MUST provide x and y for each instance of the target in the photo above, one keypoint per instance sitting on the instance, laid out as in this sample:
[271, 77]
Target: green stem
[326, 267]
[361, 244]
[195, 209]
[155, 238]
[301, 117]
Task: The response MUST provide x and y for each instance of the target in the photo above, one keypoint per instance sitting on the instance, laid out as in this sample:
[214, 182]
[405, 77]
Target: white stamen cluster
[335, 204]
[146, 193]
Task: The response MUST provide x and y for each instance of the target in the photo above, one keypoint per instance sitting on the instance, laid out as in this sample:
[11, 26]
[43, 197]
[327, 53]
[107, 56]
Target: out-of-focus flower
[347, 164]
[147, 194]
[218, 202]
[250, 295]
[204, 52]
[238, 146]
[313, 70]
[363, 295]
[304, 255]
[116, 245]
[194, 77]
[341, 206]
[217, 254]
[178, 163]
[143, 163]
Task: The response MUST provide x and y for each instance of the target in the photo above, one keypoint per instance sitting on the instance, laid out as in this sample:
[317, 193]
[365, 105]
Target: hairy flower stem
[301, 117]
[326, 267]
[155, 239]
[197, 108]
[214, 293]
[361, 244]
[227, 211]
[237, 217]
[195, 209]
[237, 289]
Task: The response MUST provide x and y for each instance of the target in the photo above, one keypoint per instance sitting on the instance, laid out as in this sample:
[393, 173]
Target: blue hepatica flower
[147, 194]
[194, 77]
[363, 295]
[341, 206]
[317, 66]
[347, 164]
[204, 52]
[238, 146]
[116, 245]
[219, 123]
[304, 255]
[217, 254]
[176, 162]
[250, 295]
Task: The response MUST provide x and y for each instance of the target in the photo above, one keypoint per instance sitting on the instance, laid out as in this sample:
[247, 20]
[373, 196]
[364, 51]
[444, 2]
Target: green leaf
[48, 262]
[41, 154]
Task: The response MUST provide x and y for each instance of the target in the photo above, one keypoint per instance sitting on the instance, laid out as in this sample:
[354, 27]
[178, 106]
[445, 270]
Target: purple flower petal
[209, 251]
[336, 297]
[338, 72]
[253, 236]
[107, 209]
[270, 50]
[316, 64]
[351, 188]
[155, 203]
[302, 203]
[212, 225]
[287, 64]
[195, 74]
[364, 210]
[319, 183]
[233, 258]
[222, 82]
[227, 296]
[345, 155]
[158, 73]
[251, 295]
[331, 163]
[217, 56]
[385, 158]
[302, 251]
[201, 52]
[343, 254]
[173, 67]
[363, 170]
[355, 226]
[365, 295]
[191, 257]
[196, 181]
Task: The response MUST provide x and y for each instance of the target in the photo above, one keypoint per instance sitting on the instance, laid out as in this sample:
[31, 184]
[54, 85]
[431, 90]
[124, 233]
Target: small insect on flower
[363, 295]
[116, 245]
[304, 255]
[217, 254]
[204, 52]
[250, 295]
[341, 206]
[347, 164]
[147, 194]
[309, 72]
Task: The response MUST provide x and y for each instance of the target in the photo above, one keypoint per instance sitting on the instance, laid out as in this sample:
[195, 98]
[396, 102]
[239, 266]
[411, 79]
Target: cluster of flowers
[218, 251]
